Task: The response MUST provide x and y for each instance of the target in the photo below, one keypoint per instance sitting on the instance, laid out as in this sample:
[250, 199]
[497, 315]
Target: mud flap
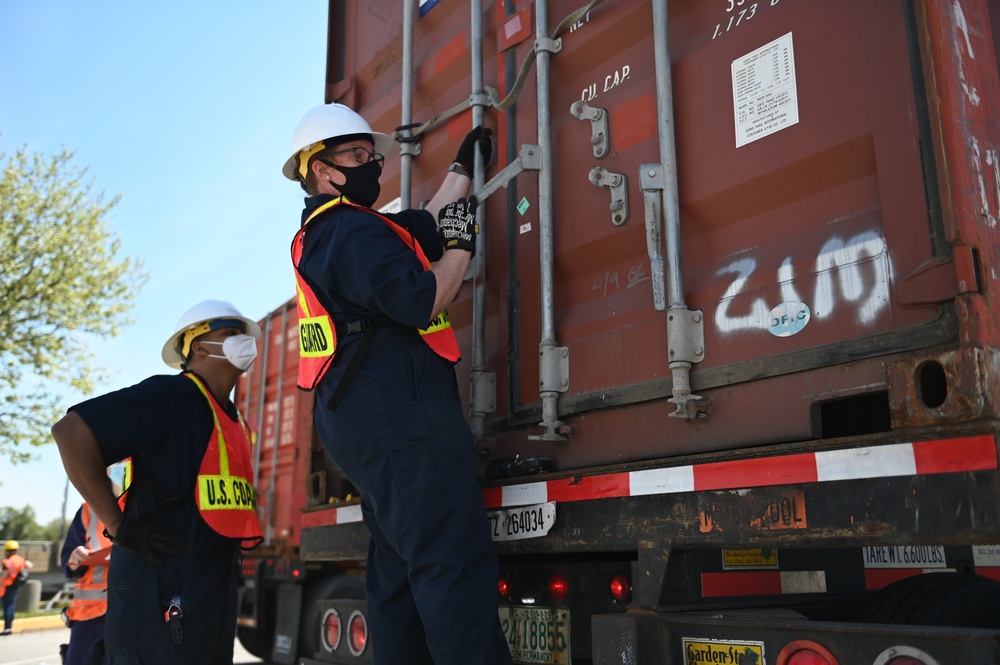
[286, 632]
[627, 639]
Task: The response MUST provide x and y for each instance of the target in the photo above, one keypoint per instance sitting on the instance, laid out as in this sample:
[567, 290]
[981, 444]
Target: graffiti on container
[738, 12]
[854, 272]
[611, 81]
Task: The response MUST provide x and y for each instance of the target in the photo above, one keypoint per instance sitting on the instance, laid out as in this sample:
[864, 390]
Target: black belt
[368, 327]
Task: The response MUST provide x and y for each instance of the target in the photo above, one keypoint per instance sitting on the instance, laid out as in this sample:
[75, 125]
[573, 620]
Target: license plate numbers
[522, 522]
[537, 634]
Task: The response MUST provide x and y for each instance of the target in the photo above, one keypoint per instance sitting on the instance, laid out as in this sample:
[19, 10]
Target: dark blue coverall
[400, 436]
[164, 424]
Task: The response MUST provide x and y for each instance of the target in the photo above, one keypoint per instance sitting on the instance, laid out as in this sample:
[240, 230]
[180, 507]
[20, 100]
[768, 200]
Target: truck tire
[343, 585]
[936, 599]
[258, 641]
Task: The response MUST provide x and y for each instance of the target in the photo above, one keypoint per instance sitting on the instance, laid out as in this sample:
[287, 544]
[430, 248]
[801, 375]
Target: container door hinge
[484, 391]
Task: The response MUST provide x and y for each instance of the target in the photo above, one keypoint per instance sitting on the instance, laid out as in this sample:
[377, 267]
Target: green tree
[20, 524]
[60, 279]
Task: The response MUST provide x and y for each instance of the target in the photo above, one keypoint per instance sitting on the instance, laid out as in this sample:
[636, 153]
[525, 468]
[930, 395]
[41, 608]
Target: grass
[38, 613]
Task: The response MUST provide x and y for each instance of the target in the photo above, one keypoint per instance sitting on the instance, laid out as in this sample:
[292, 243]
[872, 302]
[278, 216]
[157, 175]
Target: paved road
[41, 647]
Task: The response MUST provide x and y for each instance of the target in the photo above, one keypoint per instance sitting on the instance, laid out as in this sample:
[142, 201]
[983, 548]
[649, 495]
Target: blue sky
[186, 110]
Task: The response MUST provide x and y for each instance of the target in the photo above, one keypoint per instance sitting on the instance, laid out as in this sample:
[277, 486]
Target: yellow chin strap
[305, 155]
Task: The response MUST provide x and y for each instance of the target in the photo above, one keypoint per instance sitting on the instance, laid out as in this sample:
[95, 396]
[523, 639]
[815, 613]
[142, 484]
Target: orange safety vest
[14, 565]
[224, 492]
[317, 333]
[90, 595]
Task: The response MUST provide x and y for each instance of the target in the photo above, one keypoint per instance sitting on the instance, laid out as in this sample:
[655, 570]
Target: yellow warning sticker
[750, 558]
[722, 652]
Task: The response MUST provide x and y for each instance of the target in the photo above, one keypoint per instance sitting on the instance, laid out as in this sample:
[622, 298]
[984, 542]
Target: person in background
[377, 345]
[12, 576]
[86, 615]
[190, 503]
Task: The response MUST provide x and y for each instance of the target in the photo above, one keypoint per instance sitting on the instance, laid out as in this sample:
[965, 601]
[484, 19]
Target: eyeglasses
[362, 155]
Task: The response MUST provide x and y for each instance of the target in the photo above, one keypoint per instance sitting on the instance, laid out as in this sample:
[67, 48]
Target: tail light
[558, 588]
[504, 587]
[332, 630]
[806, 652]
[357, 633]
[621, 589]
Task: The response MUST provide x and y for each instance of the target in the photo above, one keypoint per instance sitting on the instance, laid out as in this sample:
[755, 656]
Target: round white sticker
[788, 318]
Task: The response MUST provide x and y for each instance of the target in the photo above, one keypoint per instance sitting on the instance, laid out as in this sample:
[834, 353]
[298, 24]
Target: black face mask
[362, 186]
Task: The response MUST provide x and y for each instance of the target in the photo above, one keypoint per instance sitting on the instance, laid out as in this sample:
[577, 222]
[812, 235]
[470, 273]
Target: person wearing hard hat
[12, 576]
[190, 504]
[377, 346]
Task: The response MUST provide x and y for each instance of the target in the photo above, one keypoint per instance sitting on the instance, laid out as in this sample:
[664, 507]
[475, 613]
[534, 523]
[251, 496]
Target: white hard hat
[205, 312]
[323, 122]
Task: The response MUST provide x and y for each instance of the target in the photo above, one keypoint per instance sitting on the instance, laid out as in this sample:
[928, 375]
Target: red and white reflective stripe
[762, 583]
[974, 453]
[328, 517]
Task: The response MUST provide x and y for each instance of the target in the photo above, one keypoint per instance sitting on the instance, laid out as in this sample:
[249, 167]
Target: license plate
[522, 522]
[537, 634]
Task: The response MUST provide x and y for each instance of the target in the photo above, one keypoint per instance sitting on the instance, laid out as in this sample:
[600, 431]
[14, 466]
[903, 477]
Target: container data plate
[537, 634]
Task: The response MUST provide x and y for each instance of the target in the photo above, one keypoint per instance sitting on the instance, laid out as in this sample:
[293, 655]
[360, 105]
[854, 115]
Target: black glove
[457, 225]
[466, 157]
[153, 544]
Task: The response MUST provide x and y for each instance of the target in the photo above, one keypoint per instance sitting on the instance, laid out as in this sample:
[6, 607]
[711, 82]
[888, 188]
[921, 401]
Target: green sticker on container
[523, 205]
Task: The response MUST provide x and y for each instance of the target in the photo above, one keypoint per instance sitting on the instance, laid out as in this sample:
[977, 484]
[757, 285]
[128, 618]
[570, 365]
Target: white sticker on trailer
[765, 97]
[904, 556]
[986, 555]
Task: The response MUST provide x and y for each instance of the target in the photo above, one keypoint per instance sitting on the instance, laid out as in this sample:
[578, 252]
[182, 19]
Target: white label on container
[765, 98]
[904, 556]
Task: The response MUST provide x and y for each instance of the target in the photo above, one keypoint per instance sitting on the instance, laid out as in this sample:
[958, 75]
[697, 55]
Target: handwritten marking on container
[602, 282]
[765, 97]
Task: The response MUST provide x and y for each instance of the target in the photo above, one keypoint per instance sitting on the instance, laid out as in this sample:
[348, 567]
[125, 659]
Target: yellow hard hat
[10, 546]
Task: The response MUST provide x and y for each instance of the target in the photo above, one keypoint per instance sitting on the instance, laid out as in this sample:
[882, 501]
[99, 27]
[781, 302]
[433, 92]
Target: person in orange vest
[12, 576]
[377, 346]
[190, 505]
[86, 540]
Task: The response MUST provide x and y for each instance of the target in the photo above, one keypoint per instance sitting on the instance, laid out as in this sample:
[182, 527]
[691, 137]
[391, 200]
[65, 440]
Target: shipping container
[730, 339]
